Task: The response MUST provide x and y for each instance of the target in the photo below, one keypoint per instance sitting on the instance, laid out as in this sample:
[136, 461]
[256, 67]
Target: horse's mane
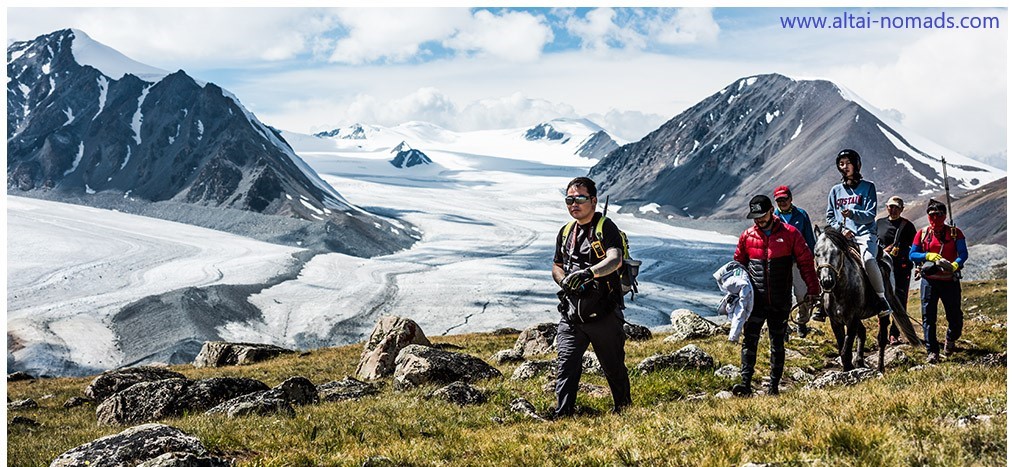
[840, 241]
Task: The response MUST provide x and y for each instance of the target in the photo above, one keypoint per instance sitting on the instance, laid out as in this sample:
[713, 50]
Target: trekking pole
[947, 195]
[606, 208]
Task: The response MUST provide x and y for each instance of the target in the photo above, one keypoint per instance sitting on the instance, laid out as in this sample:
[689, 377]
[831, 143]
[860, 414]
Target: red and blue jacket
[768, 261]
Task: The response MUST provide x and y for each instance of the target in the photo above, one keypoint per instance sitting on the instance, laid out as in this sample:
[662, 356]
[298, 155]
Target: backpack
[628, 269]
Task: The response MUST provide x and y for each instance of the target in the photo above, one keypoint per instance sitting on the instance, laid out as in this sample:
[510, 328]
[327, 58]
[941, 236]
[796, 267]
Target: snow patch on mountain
[110, 62]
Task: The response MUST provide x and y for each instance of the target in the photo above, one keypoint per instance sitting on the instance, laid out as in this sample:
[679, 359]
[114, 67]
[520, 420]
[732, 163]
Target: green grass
[904, 418]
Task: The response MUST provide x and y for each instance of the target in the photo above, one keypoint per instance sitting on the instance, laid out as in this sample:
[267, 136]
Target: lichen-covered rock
[216, 354]
[592, 390]
[728, 372]
[257, 403]
[75, 402]
[390, 335]
[893, 356]
[23, 404]
[155, 400]
[800, 375]
[23, 421]
[19, 376]
[417, 365]
[461, 393]
[843, 378]
[523, 407]
[131, 447]
[347, 389]
[636, 332]
[506, 332]
[531, 369]
[689, 325]
[297, 390]
[590, 364]
[508, 356]
[537, 340]
[112, 382]
[690, 357]
[184, 459]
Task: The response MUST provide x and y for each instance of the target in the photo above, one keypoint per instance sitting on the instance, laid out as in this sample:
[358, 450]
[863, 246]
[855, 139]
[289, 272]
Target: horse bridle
[837, 273]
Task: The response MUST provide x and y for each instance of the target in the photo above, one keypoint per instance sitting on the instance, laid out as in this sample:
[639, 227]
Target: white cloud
[599, 31]
[684, 26]
[629, 125]
[395, 34]
[515, 36]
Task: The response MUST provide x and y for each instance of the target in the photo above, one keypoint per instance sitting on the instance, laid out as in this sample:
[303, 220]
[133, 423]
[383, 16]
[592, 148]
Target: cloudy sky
[630, 70]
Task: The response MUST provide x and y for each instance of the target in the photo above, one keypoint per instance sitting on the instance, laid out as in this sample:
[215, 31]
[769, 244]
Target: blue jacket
[799, 219]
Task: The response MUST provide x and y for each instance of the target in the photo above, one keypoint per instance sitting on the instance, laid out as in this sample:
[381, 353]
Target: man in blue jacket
[798, 218]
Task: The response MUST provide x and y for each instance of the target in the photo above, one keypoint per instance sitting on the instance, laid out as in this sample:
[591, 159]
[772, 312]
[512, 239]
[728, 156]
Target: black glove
[577, 279]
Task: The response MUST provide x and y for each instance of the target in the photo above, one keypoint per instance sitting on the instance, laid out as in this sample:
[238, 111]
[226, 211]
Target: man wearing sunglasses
[942, 251]
[591, 302]
[896, 234]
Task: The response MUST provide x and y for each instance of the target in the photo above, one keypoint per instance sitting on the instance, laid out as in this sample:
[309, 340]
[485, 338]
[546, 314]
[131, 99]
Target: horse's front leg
[846, 348]
[859, 331]
[885, 324]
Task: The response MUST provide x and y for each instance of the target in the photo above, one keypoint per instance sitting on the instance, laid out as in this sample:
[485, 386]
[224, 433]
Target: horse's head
[829, 257]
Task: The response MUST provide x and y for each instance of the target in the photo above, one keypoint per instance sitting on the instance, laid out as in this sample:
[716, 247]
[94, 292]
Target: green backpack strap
[566, 232]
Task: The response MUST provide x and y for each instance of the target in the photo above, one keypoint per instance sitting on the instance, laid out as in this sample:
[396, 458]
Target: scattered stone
[417, 365]
[347, 389]
[698, 396]
[155, 400]
[531, 369]
[843, 378]
[19, 376]
[993, 359]
[506, 332]
[19, 420]
[728, 372]
[23, 404]
[723, 395]
[305, 354]
[297, 390]
[508, 356]
[184, 459]
[537, 340]
[216, 354]
[791, 354]
[460, 393]
[690, 357]
[112, 382]
[523, 407]
[636, 332]
[390, 335]
[258, 403]
[132, 447]
[800, 375]
[689, 325]
[973, 420]
[893, 356]
[75, 402]
[590, 364]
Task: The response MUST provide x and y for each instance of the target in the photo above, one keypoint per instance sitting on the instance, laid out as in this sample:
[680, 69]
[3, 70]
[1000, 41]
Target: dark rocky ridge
[74, 132]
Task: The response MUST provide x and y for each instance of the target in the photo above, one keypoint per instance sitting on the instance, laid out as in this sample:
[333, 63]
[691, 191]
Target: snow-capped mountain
[768, 130]
[84, 120]
[406, 157]
[549, 142]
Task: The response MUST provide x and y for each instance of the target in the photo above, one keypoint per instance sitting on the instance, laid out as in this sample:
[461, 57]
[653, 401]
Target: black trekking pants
[778, 323]
[606, 336]
[902, 279]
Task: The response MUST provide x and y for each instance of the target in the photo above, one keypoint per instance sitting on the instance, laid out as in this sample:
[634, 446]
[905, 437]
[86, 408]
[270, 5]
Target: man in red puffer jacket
[768, 250]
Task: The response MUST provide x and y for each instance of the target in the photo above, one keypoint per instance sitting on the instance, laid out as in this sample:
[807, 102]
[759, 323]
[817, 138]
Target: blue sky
[310, 69]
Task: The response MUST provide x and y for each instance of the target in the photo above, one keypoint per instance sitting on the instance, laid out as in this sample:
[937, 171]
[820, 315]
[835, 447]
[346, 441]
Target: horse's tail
[903, 321]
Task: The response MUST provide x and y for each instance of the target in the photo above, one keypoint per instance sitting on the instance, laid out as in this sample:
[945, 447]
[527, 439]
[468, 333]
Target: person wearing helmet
[852, 208]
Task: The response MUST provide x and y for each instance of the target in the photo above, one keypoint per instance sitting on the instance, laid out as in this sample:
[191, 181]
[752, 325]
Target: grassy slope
[907, 417]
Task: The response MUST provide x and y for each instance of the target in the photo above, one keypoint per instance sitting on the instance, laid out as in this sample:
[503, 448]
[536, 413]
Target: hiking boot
[773, 390]
[885, 308]
[950, 347]
[933, 358]
[742, 390]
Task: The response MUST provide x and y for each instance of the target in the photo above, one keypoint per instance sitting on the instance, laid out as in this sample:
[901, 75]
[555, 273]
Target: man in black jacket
[588, 255]
[896, 234]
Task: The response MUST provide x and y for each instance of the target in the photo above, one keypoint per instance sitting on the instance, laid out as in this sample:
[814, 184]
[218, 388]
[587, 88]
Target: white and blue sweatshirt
[862, 200]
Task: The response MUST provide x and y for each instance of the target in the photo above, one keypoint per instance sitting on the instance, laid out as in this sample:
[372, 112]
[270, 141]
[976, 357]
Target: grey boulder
[390, 335]
[155, 400]
[537, 340]
[417, 365]
[133, 446]
[690, 357]
[346, 389]
[461, 393]
[843, 378]
[689, 325]
[112, 382]
[217, 353]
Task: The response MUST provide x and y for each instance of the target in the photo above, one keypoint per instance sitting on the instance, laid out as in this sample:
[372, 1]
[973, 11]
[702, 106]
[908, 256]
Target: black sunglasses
[580, 199]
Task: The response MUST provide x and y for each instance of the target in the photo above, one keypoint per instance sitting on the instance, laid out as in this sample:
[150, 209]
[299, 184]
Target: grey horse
[848, 298]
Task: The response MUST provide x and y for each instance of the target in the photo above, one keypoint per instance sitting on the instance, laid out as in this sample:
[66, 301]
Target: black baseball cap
[759, 206]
